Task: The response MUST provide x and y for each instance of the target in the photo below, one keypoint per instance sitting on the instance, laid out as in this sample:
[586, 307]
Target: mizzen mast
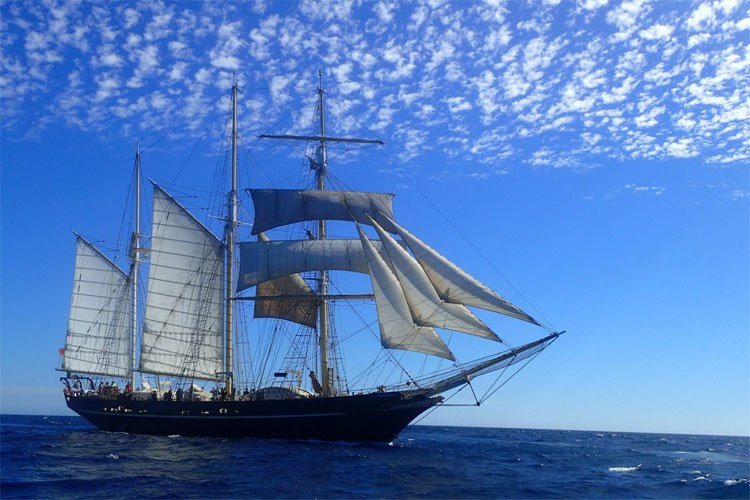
[229, 243]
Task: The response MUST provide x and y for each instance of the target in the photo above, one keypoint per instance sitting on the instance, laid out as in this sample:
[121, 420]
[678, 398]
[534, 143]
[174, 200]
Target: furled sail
[279, 207]
[98, 335]
[183, 326]
[267, 260]
[455, 285]
[299, 309]
[427, 308]
[397, 328]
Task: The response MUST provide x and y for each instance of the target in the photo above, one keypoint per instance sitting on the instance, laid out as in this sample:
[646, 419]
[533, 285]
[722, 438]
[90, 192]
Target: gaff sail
[98, 337]
[183, 326]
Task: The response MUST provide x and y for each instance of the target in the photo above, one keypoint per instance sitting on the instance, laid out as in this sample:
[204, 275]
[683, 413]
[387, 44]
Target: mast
[320, 164]
[323, 275]
[229, 241]
[135, 261]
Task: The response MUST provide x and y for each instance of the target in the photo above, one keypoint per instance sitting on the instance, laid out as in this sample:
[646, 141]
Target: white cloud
[131, 17]
[654, 190]
[384, 11]
[649, 118]
[704, 14]
[457, 104]
[591, 4]
[107, 85]
[626, 17]
[657, 32]
[627, 79]
[111, 59]
[682, 148]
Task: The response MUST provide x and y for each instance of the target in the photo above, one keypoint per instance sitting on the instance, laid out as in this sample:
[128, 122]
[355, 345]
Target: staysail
[455, 285]
[427, 308]
[183, 330]
[97, 341]
[397, 328]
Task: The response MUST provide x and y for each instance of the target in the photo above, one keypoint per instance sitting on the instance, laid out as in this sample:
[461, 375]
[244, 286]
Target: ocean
[65, 457]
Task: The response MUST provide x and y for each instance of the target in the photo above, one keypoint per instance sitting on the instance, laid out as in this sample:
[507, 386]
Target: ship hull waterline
[377, 417]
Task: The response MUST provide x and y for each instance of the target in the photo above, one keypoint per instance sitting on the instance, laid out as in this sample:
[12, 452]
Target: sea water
[65, 457]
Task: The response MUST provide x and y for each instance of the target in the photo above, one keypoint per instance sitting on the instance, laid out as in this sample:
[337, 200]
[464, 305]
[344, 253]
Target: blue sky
[595, 151]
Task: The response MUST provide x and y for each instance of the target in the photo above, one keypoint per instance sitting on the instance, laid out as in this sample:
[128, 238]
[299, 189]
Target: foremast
[320, 172]
[134, 265]
[230, 227]
[320, 165]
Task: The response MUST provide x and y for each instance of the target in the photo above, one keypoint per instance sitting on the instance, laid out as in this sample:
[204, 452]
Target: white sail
[397, 328]
[427, 308]
[279, 207]
[267, 260]
[183, 326]
[455, 285]
[299, 309]
[98, 335]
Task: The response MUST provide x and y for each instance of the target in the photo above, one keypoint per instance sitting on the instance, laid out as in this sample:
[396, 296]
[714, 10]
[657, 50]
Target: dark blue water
[64, 457]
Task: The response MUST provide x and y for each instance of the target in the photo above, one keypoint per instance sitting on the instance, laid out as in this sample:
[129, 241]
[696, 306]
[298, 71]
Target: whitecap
[113, 456]
[174, 435]
[625, 469]
[701, 478]
[733, 482]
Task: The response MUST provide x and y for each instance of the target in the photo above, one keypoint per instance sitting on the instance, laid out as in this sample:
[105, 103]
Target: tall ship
[244, 338]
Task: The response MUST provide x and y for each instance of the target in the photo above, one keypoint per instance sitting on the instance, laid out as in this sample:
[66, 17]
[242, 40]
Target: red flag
[61, 351]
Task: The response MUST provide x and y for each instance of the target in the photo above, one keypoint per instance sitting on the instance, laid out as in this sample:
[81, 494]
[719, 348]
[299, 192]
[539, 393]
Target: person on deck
[179, 394]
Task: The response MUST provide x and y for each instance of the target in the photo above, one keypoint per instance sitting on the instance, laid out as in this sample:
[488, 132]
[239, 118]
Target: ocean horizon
[72, 414]
[65, 457]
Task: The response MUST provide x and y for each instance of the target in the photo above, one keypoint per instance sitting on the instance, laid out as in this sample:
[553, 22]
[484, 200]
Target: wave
[625, 469]
[734, 482]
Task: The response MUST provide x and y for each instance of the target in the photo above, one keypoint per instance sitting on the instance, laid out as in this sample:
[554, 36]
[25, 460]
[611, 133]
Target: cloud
[653, 190]
[485, 82]
[657, 32]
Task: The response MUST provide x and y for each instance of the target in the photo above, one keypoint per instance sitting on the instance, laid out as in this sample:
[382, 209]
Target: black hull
[377, 417]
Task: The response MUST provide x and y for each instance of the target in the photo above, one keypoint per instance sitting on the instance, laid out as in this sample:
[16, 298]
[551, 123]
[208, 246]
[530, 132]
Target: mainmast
[323, 276]
[135, 261]
[229, 242]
